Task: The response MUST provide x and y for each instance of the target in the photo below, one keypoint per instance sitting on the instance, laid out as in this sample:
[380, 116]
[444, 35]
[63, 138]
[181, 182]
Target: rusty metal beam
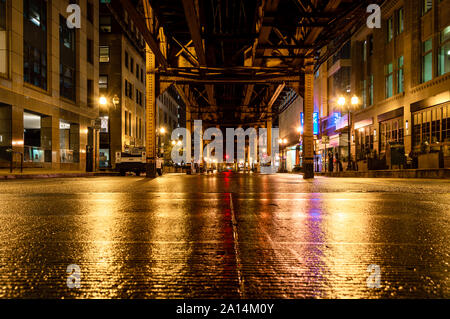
[195, 31]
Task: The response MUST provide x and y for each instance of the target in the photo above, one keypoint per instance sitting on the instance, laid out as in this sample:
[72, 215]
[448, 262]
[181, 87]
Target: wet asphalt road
[225, 236]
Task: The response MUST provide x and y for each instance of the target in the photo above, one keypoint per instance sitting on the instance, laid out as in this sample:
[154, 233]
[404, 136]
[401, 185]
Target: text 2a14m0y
[246, 308]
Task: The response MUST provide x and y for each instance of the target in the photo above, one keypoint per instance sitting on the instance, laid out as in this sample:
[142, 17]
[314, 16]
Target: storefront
[291, 154]
[431, 131]
[364, 138]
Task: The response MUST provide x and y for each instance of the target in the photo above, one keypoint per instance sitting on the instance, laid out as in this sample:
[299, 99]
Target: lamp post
[343, 102]
[159, 132]
[103, 101]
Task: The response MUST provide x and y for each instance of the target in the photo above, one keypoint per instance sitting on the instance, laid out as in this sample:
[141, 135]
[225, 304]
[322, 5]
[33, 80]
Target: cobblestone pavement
[224, 236]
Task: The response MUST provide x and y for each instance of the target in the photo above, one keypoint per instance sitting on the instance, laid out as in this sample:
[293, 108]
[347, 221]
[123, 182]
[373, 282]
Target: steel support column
[308, 109]
[150, 111]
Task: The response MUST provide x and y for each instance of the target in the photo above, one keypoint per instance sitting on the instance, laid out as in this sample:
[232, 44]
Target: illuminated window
[389, 80]
[427, 60]
[427, 5]
[400, 21]
[400, 75]
[104, 53]
[103, 82]
[444, 52]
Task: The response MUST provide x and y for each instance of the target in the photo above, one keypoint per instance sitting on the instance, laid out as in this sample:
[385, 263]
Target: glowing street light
[103, 100]
[341, 101]
[162, 130]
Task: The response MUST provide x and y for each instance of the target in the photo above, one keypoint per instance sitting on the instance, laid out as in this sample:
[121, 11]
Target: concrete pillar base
[308, 170]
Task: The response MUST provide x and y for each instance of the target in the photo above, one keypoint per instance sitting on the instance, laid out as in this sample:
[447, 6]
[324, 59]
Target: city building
[290, 129]
[48, 84]
[401, 71]
[400, 74]
[121, 84]
[331, 81]
[170, 114]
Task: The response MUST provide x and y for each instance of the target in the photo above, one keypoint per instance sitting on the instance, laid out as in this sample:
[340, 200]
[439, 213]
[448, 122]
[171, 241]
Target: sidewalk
[399, 173]
[35, 173]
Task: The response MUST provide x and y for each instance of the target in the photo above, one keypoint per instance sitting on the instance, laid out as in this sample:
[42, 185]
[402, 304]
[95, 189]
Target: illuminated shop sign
[315, 122]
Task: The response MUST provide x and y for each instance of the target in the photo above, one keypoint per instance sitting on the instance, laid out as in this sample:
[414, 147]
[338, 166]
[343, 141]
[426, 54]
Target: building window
[400, 21]
[391, 131]
[105, 24]
[131, 65]
[364, 51]
[90, 12]
[3, 39]
[2, 14]
[35, 11]
[90, 93]
[371, 89]
[364, 93]
[126, 122]
[35, 42]
[126, 59]
[129, 123]
[390, 29]
[389, 80]
[67, 82]
[370, 45]
[137, 71]
[34, 66]
[90, 51]
[400, 75]
[67, 60]
[427, 60]
[128, 89]
[427, 5]
[142, 76]
[103, 82]
[444, 52]
[104, 53]
[432, 125]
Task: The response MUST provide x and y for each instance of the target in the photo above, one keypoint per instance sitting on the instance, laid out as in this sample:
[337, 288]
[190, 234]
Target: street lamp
[102, 100]
[159, 132]
[353, 102]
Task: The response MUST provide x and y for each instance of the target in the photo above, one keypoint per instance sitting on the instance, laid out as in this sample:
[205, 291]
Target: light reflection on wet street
[174, 237]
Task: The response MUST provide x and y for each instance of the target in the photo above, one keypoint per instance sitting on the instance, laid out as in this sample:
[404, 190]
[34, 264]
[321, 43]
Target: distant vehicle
[131, 161]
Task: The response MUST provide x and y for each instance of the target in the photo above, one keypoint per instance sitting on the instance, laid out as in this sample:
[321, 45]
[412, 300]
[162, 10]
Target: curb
[443, 173]
[42, 176]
